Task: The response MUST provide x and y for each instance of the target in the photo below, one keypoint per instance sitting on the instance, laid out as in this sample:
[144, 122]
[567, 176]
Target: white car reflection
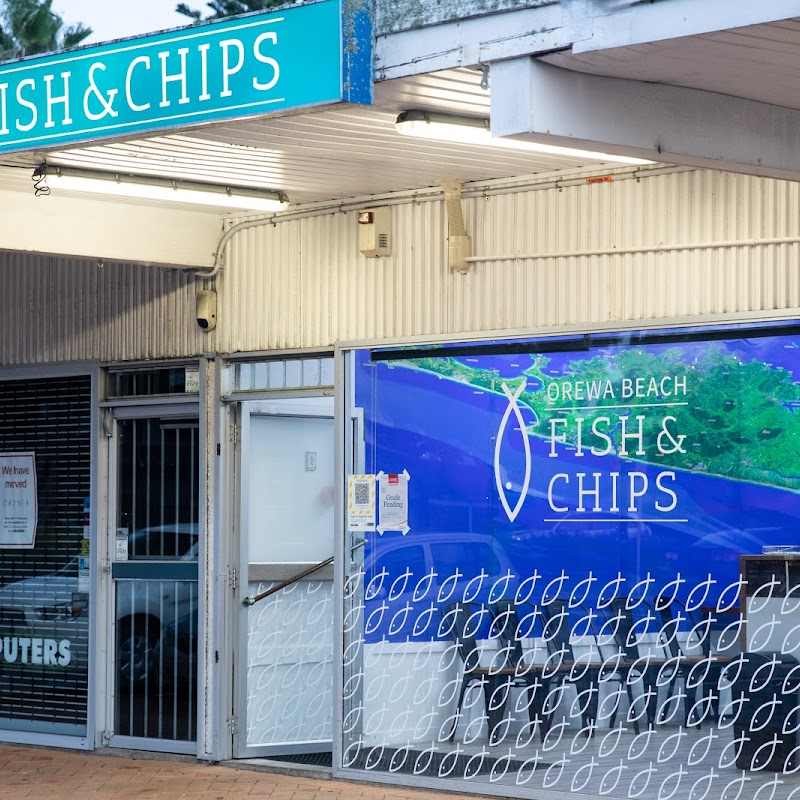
[144, 608]
[44, 620]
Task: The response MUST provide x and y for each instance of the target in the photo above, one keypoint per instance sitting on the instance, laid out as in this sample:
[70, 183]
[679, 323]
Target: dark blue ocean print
[582, 514]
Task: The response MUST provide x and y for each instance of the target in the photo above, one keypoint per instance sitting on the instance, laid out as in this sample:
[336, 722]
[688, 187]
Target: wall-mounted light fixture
[54, 178]
[474, 130]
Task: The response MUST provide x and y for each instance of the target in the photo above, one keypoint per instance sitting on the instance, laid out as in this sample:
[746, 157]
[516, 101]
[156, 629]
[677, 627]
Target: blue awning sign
[299, 57]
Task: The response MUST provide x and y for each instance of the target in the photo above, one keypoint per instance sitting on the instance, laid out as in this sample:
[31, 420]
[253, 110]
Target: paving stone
[37, 772]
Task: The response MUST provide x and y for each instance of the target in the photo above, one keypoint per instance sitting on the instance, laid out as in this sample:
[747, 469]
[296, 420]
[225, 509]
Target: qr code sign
[361, 494]
[361, 502]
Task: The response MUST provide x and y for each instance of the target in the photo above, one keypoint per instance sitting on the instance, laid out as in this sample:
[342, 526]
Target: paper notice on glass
[191, 379]
[121, 551]
[18, 504]
[361, 502]
[393, 502]
[84, 575]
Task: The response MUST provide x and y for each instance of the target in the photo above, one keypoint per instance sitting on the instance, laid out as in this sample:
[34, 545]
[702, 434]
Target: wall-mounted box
[374, 233]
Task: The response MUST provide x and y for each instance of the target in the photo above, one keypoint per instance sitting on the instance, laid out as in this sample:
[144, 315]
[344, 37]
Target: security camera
[206, 309]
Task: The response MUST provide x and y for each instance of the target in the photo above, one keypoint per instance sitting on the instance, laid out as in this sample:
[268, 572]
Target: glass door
[154, 569]
[285, 677]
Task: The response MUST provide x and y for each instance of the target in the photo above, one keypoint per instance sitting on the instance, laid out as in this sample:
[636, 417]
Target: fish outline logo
[513, 407]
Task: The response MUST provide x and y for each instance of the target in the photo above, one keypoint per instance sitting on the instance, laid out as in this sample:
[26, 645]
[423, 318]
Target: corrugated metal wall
[303, 283]
[57, 310]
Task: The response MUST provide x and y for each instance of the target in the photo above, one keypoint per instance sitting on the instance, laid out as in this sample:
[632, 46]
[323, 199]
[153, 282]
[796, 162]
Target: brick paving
[51, 774]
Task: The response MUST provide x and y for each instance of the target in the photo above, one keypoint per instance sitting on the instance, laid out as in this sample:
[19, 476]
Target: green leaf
[228, 8]
[192, 13]
[31, 27]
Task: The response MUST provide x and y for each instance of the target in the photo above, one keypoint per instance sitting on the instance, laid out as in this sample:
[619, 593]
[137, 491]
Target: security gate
[154, 548]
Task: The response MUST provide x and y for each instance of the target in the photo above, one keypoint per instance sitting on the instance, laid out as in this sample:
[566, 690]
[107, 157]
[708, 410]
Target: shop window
[278, 374]
[609, 601]
[44, 589]
[150, 382]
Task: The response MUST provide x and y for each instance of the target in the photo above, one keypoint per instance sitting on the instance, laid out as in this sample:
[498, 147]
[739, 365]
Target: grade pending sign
[18, 504]
[309, 55]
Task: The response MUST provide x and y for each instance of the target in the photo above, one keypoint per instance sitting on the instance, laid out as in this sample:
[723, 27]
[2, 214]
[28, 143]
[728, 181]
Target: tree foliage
[28, 27]
[228, 8]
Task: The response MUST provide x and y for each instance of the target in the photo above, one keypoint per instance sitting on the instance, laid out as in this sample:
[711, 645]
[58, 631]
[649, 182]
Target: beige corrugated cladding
[304, 284]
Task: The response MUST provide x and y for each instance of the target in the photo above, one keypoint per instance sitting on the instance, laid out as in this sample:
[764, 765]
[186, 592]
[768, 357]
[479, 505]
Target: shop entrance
[284, 676]
[154, 549]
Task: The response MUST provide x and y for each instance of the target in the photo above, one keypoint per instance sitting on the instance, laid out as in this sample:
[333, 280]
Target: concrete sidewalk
[49, 774]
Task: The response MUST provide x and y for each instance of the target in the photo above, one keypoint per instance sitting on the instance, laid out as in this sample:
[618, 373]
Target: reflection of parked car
[601, 544]
[586, 526]
[406, 575]
[175, 654]
[50, 611]
[143, 614]
[176, 540]
[443, 554]
[145, 607]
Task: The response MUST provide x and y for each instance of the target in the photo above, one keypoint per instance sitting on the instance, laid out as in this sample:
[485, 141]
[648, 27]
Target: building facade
[546, 434]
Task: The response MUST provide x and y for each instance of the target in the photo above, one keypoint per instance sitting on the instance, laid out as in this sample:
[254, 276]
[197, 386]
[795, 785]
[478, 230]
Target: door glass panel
[155, 579]
[157, 499]
[289, 655]
[291, 489]
[289, 635]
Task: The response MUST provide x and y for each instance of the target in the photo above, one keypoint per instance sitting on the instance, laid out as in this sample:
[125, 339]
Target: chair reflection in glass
[688, 636]
[514, 624]
[564, 668]
[665, 645]
[463, 622]
[638, 664]
[550, 621]
[544, 682]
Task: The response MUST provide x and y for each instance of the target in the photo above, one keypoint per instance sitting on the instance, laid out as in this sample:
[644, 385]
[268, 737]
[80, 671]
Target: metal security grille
[157, 659]
[157, 491]
[39, 588]
[155, 579]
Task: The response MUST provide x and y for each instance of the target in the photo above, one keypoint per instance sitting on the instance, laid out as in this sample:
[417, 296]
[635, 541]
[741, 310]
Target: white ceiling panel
[344, 151]
[328, 153]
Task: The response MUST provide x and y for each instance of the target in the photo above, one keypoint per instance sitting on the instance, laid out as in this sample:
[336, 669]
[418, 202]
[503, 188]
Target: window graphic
[599, 590]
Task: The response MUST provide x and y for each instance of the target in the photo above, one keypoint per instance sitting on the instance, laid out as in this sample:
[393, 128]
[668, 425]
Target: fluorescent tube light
[471, 130]
[155, 188]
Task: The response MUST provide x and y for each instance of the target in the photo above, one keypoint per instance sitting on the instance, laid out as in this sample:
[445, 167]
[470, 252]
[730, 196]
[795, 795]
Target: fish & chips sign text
[613, 430]
[198, 74]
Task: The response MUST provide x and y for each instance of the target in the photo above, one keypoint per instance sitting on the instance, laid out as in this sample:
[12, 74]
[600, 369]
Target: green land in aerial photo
[739, 419]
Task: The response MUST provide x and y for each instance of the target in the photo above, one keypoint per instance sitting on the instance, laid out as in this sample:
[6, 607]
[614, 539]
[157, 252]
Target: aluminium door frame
[281, 405]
